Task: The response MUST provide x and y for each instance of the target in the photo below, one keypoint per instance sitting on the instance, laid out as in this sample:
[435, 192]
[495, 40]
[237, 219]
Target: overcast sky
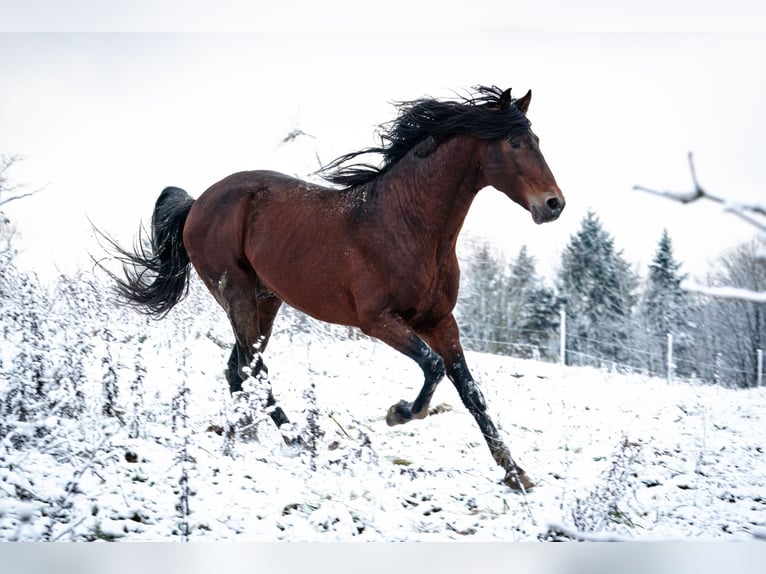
[106, 120]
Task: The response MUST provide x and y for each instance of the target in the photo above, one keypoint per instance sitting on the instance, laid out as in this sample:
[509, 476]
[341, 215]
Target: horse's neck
[433, 193]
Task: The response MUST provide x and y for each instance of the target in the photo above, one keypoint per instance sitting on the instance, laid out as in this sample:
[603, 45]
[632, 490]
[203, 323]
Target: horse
[373, 250]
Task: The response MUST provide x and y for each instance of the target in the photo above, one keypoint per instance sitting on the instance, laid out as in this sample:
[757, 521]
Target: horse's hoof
[398, 414]
[518, 480]
[291, 436]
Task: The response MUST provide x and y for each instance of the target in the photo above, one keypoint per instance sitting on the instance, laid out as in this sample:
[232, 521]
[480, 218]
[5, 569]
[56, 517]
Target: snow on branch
[746, 211]
[752, 213]
[725, 292]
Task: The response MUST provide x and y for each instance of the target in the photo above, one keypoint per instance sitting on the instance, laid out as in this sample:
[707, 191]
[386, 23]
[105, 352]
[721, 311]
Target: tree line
[614, 316]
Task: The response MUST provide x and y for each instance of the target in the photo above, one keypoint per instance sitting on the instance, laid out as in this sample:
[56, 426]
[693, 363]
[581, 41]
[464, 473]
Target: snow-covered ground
[614, 456]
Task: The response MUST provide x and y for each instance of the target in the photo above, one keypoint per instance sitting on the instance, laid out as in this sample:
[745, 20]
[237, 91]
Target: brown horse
[376, 253]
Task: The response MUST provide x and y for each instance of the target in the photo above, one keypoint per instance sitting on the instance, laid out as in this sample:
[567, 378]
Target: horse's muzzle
[549, 210]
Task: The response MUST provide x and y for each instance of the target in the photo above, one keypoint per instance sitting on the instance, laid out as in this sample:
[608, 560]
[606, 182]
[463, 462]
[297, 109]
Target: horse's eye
[515, 144]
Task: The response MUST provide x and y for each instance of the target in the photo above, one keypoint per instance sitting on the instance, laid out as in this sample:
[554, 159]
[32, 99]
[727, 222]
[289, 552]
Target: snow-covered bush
[599, 508]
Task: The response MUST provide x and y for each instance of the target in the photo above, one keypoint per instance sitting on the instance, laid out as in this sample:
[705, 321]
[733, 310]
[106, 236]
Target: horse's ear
[504, 102]
[523, 103]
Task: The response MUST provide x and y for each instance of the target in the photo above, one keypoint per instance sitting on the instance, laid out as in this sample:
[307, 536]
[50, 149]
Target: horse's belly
[328, 306]
[311, 286]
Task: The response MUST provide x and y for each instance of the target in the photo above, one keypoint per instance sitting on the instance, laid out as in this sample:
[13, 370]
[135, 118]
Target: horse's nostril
[553, 204]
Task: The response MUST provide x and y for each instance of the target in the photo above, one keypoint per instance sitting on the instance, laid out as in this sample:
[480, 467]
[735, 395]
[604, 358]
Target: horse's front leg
[445, 340]
[394, 331]
[433, 371]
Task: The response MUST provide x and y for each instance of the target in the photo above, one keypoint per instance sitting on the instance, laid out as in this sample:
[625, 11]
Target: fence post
[717, 368]
[563, 335]
[759, 367]
[670, 357]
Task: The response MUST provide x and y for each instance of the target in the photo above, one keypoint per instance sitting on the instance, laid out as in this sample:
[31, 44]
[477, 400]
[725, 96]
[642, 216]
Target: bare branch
[693, 170]
[6, 161]
[21, 196]
[736, 293]
[6, 186]
[294, 135]
[743, 211]
[679, 196]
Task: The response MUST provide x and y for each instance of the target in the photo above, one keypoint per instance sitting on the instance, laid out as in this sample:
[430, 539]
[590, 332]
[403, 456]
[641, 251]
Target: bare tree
[9, 191]
[753, 213]
[735, 328]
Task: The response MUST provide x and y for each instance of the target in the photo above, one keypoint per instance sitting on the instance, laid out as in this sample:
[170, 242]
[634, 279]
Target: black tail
[157, 274]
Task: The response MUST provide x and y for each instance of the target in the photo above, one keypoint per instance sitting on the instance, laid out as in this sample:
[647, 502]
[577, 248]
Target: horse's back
[269, 228]
[216, 225]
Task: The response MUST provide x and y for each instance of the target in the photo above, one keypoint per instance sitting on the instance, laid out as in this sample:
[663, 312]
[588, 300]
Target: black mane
[479, 114]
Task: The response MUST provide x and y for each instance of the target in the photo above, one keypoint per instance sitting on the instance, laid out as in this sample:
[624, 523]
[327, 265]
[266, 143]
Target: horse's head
[515, 166]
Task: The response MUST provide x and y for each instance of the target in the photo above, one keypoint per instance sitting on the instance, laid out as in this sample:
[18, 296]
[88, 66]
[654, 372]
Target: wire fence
[707, 364]
[634, 358]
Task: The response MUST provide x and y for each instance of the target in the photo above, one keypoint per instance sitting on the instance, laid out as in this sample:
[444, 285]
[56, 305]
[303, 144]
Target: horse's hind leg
[234, 375]
[266, 309]
[252, 319]
[235, 365]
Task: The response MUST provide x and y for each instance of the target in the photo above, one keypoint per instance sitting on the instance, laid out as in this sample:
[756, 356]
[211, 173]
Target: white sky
[106, 120]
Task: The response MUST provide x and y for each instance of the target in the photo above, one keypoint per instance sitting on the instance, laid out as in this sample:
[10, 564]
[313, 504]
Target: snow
[725, 292]
[614, 456]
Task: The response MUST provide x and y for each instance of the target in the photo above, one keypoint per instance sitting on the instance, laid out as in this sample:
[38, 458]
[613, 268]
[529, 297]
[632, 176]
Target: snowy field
[614, 457]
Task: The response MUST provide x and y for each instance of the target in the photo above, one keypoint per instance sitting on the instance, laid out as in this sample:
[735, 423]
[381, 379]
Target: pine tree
[597, 286]
[666, 309]
[532, 309]
[481, 310]
[507, 309]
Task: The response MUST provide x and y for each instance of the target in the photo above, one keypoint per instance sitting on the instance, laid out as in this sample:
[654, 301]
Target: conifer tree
[507, 309]
[482, 301]
[666, 309]
[597, 286]
[532, 308]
